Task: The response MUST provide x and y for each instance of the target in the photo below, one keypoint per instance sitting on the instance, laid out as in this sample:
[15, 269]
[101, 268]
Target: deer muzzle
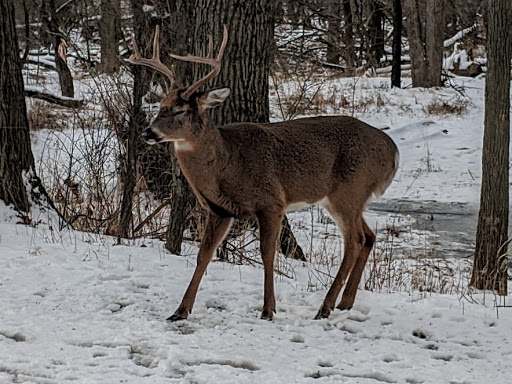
[150, 137]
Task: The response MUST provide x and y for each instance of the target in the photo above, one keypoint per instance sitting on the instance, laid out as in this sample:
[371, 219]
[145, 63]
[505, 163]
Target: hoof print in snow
[297, 339]
[16, 336]
[216, 304]
[420, 334]
[325, 363]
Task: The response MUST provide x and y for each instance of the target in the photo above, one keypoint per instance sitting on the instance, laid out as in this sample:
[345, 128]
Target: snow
[77, 307]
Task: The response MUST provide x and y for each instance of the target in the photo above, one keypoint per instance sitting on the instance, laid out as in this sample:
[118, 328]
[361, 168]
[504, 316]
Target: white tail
[264, 170]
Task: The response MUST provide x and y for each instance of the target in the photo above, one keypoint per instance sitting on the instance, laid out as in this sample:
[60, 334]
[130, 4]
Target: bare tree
[396, 69]
[333, 32]
[58, 40]
[19, 184]
[130, 139]
[15, 152]
[425, 32]
[375, 32]
[490, 264]
[108, 27]
[248, 51]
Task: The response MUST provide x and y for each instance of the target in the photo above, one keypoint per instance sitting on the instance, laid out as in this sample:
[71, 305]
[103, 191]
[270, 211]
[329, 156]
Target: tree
[375, 33]
[246, 69]
[490, 264]
[348, 36]
[396, 69]
[108, 27]
[16, 159]
[333, 32]
[425, 32]
[130, 139]
[50, 28]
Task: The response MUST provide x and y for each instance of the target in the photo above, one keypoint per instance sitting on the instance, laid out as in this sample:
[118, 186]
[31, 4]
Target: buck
[264, 170]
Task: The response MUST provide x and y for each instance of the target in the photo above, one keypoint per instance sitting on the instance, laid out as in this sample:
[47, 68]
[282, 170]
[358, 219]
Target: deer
[263, 170]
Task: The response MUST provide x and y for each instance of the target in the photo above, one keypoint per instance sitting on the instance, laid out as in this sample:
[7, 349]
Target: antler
[214, 62]
[154, 62]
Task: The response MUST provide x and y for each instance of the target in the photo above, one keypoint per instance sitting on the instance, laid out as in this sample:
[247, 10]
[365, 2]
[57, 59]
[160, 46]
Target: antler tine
[156, 46]
[155, 63]
[210, 47]
[213, 62]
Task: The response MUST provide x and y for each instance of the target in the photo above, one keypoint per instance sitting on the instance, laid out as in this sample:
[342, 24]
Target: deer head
[182, 108]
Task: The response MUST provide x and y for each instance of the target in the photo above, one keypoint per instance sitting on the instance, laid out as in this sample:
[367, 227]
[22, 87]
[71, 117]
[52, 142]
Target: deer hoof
[267, 314]
[178, 315]
[323, 313]
[344, 307]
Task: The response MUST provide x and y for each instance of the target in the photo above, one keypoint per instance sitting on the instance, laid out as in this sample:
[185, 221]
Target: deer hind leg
[349, 294]
[270, 227]
[216, 229]
[351, 224]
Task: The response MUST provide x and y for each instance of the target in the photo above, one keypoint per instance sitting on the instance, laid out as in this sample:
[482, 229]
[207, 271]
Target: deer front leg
[270, 226]
[216, 229]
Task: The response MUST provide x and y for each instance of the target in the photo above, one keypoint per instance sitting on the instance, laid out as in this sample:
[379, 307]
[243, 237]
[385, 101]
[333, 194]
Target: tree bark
[425, 32]
[16, 157]
[108, 27]
[333, 32]
[490, 264]
[51, 24]
[375, 33]
[131, 139]
[348, 37]
[396, 63]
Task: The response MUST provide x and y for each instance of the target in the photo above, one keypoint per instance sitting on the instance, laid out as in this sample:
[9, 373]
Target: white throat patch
[182, 145]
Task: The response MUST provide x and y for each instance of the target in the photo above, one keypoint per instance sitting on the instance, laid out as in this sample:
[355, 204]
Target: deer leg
[270, 227]
[353, 238]
[216, 229]
[349, 294]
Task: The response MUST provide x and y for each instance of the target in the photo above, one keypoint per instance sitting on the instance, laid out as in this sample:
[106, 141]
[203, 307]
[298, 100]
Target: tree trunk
[490, 264]
[181, 205]
[247, 58]
[425, 32]
[245, 70]
[375, 34]
[108, 27]
[348, 37]
[396, 69]
[130, 139]
[16, 157]
[333, 32]
[51, 24]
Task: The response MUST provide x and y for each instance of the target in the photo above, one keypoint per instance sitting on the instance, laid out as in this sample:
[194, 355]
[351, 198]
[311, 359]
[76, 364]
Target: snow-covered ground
[75, 307]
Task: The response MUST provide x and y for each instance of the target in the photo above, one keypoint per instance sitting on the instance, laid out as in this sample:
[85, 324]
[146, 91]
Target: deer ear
[214, 98]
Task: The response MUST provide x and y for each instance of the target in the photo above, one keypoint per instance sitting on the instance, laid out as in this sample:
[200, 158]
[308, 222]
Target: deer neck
[201, 155]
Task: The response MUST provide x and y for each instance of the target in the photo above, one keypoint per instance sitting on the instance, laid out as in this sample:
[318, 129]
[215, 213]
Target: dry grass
[455, 106]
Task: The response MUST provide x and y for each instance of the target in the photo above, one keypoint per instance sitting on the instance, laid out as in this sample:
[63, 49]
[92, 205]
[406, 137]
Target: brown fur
[259, 170]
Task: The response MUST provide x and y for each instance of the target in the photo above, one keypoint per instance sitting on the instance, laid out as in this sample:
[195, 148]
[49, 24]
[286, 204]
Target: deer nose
[150, 137]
